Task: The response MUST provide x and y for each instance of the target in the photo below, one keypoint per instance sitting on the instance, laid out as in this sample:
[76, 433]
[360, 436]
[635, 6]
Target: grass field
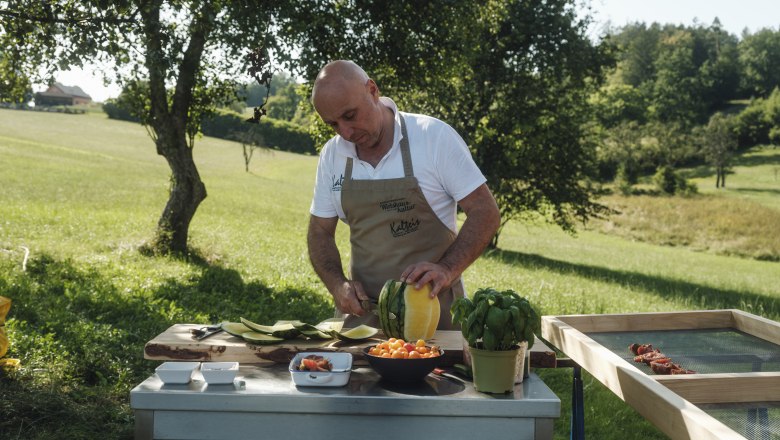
[82, 193]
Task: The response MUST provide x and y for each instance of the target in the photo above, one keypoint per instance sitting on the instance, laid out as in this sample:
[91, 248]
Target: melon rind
[260, 338]
[235, 328]
[356, 334]
[416, 314]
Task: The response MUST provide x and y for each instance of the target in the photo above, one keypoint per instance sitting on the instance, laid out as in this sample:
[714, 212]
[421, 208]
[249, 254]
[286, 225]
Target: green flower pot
[494, 371]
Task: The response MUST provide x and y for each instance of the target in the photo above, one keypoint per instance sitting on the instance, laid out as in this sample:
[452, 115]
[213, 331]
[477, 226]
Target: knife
[371, 305]
[205, 332]
[444, 373]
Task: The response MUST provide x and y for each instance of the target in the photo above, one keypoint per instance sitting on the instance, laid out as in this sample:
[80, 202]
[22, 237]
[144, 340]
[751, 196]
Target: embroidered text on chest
[397, 205]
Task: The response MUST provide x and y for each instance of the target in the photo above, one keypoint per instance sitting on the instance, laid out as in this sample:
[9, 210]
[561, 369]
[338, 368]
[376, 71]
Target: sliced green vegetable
[235, 328]
[282, 329]
[260, 338]
[356, 334]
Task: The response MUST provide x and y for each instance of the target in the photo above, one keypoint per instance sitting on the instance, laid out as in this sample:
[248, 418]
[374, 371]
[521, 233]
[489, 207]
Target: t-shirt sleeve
[322, 204]
[457, 170]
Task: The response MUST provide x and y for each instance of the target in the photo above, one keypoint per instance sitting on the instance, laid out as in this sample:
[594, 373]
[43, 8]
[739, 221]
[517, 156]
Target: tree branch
[200, 29]
[50, 18]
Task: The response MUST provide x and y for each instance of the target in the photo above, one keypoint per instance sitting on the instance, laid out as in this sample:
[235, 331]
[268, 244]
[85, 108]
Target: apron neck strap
[405, 155]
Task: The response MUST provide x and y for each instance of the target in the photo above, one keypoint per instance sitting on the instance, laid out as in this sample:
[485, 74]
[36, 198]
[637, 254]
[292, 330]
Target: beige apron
[392, 226]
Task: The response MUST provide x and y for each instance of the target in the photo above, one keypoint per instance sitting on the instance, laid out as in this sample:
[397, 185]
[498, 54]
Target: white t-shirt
[442, 164]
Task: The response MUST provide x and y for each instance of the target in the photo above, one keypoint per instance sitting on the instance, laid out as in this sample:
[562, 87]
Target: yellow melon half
[421, 313]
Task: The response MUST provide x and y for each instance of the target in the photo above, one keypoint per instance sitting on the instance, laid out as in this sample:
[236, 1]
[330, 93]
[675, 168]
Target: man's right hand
[348, 296]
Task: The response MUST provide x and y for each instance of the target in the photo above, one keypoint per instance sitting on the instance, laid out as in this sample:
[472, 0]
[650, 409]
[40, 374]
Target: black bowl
[402, 370]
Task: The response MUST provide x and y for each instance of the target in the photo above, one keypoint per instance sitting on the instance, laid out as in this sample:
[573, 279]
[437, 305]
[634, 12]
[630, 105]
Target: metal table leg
[577, 406]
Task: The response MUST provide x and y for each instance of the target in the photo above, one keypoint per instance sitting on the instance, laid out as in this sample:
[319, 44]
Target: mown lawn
[83, 193]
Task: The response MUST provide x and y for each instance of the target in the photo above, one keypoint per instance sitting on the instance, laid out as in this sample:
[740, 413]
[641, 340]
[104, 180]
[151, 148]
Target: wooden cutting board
[177, 344]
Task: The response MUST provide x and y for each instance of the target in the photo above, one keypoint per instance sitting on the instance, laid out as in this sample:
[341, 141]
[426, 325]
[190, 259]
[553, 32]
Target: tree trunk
[186, 193]
[169, 122]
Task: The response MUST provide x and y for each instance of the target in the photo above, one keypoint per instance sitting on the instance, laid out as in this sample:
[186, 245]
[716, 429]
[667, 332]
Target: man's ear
[372, 88]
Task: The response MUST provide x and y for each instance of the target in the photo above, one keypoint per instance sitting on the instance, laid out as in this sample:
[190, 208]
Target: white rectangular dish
[337, 377]
[215, 373]
[176, 372]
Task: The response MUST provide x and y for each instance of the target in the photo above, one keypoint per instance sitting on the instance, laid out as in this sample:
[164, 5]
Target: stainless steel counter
[263, 403]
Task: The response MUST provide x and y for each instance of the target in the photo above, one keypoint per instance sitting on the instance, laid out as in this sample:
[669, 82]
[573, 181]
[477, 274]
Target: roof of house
[58, 89]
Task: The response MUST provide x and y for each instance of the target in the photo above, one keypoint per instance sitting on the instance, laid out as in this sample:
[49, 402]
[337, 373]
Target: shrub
[276, 134]
[116, 111]
[670, 182]
[759, 123]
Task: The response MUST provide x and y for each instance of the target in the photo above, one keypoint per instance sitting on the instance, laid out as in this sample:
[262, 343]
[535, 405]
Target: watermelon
[407, 313]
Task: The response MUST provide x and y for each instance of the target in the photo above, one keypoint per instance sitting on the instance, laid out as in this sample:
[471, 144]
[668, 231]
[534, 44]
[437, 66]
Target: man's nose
[345, 131]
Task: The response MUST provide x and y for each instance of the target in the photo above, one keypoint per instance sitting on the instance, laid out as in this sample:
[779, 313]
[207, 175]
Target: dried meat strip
[658, 362]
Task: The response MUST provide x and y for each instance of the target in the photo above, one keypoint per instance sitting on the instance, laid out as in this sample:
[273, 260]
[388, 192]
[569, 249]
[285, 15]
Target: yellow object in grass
[5, 306]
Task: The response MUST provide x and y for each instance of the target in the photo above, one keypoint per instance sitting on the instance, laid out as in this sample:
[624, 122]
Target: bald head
[338, 76]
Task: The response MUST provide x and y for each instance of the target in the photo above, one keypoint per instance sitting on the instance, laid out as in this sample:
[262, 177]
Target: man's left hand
[425, 272]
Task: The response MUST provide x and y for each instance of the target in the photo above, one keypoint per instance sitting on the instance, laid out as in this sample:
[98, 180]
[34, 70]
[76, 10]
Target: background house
[58, 94]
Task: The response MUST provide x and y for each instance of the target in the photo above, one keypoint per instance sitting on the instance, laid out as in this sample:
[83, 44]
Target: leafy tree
[613, 104]
[682, 72]
[511, 77]
[759, 55]
[181, 49]
[620, 153]
[15, 86]
[677, 89]
[637, 45]
[284, 104]
[759, 122]
[254, 94]
[719, 71]
[718, 143]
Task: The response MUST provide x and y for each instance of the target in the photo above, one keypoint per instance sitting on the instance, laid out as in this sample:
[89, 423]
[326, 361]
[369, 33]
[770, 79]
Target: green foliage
[83, 239]
[15, 86]
[496, 320]
[273, 133]
[254, 94]
[759, 122]
[759, 54]
[511, 77]
[670, 182]
[718, 142]
[284, 104]
[683, 72]
[614, 104]
[132, 104]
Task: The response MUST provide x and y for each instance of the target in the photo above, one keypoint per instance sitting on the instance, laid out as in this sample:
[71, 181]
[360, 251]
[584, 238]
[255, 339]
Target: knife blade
[371, 305]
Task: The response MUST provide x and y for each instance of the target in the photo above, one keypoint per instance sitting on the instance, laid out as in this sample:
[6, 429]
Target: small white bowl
[337, 377]
[176, 372]
[219, 372]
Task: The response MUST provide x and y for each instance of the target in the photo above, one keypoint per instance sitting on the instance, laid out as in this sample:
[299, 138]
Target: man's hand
[426, 272]
[348, 296]
[482, 221]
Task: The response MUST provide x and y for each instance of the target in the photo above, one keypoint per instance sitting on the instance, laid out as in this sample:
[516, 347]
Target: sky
[734, 15]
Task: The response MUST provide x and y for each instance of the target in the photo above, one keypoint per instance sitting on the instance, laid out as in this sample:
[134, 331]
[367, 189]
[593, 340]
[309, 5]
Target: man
[396, 179]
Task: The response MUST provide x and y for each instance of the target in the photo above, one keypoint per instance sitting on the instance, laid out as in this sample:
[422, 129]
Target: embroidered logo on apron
[397, 205]
[404, 227]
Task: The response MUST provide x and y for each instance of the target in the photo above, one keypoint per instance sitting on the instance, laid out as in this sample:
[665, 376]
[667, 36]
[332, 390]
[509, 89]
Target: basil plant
[496, 321]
